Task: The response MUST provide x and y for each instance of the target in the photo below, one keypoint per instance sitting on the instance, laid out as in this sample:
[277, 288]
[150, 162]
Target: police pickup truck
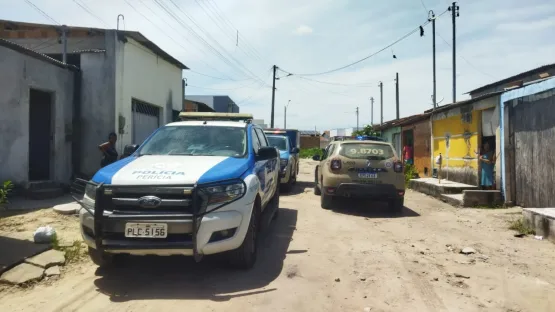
[204, 185]
[287, 141]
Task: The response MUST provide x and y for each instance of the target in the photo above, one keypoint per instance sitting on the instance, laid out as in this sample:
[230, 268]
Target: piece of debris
[362, 279]
[367, 309]
[468, 250]
[338, 279]
[22, 274]
[435, 279]
[47, 259]
[461, 275]
[44, 235]
[52, 271]
[67, 209]
[519, 235]
[538, 237]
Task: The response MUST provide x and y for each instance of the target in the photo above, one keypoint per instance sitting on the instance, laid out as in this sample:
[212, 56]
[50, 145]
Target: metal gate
[531, 133]
[146, 119]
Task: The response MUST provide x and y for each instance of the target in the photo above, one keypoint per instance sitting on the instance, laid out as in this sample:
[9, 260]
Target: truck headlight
[218, 195]
[90, 192]
[283, 162]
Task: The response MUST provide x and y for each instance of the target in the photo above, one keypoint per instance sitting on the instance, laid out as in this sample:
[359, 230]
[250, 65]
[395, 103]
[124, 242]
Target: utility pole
[273, 97]
[64, 42]
[397, 93]
[432, 18]
[357, 118]
[381, 103]
[454, 13]
[184, 86]
[285, 115]
[372, 111]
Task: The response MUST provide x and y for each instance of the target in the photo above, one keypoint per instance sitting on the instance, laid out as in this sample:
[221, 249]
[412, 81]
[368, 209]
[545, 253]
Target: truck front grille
[173, 200]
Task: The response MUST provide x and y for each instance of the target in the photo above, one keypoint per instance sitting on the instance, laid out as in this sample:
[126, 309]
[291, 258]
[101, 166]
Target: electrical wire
[361, 85]
[88, 10]
[42, 12]
[369, 56]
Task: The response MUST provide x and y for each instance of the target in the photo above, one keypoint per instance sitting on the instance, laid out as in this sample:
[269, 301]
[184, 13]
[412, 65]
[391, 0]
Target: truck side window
[326, 152]
[262, 138]
[255, 141]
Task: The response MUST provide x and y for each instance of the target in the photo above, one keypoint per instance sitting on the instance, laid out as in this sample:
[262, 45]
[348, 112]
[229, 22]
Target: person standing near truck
[407, 153]
[109, 151]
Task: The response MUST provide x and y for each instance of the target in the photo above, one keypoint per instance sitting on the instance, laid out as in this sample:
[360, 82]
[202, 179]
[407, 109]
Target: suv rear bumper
[379, 191]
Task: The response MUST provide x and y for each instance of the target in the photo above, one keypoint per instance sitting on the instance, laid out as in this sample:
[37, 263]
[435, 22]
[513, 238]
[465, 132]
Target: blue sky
[495, 39]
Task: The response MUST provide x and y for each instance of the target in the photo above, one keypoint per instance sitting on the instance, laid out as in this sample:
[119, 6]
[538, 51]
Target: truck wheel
[275, 204]
[244, 257]
[287, 187]
[326, 201]
[102, 259]
[396, 205]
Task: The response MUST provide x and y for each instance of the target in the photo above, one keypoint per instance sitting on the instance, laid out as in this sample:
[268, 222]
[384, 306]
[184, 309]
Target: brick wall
[310, 142]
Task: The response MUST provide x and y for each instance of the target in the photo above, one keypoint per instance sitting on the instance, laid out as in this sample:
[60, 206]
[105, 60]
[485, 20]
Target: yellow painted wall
[459, 148]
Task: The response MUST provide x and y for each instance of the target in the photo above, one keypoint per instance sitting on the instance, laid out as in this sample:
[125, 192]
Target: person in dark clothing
[109, 151]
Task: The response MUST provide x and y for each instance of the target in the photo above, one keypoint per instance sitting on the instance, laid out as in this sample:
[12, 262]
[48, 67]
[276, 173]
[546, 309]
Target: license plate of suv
[368, 175]
[146, 230]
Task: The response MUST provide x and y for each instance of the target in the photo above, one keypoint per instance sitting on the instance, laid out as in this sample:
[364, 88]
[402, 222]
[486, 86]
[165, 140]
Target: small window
[262, 137]
[255, 142]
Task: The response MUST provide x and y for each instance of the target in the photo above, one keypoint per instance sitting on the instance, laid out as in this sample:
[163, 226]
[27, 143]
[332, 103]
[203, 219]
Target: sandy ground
[357, 257]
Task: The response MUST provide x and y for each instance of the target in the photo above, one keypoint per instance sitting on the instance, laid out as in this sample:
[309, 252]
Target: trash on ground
[44, 235]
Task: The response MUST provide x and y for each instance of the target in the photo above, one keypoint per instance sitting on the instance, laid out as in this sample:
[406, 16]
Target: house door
[531, 133]
[146, 119]
[40, 134]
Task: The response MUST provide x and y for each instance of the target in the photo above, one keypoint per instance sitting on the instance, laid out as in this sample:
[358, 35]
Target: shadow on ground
[369, 209]
[298, 188]
[20, 205]
[144, 278]
[14, 251]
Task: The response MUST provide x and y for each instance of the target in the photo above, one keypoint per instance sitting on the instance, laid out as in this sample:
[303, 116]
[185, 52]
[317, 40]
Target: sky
[231, 45]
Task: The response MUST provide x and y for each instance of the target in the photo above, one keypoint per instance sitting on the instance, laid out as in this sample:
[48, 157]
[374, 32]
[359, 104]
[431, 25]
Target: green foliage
[367, 130]
[309, 152]
[521, 227]
[410, 173]
[5, 190]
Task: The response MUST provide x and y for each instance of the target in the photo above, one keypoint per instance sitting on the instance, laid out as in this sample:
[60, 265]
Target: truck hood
[171, 169]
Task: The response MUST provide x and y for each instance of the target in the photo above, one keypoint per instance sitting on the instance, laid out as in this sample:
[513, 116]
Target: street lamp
[285, 115]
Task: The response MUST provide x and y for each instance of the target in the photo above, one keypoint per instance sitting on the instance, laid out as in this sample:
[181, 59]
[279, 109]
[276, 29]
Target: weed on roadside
[309, 152]
[521, 227]
[73, 252]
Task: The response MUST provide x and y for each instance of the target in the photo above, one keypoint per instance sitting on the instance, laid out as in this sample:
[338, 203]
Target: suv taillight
[398, 167]
[335, 164]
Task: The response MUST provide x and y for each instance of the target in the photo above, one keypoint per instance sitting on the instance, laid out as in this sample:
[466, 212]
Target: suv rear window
[366, 151]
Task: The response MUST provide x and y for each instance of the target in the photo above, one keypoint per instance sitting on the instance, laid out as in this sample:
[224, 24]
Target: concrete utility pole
[432, 18]
[397, 93]
[285, 115]
[357, 118]
[64, 42]
[381, 103]
[372, 111]
[273, 96]
[454, 13]
[184, 86]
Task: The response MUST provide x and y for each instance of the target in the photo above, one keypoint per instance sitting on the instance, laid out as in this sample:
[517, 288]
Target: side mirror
[316, 157]
[294, 150]
[267, 152]
[129, 149]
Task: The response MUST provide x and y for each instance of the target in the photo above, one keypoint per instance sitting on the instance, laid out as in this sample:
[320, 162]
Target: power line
[369, 56]
[42, 12]
[361, 85]
[88, 10]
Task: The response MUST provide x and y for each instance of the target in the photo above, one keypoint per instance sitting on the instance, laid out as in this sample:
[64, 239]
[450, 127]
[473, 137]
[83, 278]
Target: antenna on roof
[123, 18]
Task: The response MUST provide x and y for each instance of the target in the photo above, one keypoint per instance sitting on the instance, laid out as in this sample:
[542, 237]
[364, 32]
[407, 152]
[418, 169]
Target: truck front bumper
[191, 232]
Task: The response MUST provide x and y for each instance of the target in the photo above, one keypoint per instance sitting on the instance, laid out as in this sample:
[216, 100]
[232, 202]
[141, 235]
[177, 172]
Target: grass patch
[410, 173]
[309, 152]
[520, 226]
[73, 252]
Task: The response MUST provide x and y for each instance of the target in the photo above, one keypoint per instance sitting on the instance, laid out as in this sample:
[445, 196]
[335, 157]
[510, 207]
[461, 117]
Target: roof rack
[215, 116]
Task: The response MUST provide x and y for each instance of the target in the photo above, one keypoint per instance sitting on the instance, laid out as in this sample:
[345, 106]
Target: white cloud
[346, 32]
[303, 30]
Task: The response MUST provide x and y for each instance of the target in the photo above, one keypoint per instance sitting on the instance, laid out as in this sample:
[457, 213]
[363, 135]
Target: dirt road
[355, 258]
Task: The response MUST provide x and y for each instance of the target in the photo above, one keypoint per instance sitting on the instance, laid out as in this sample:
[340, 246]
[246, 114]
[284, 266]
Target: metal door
[146, 119]
[40, 134]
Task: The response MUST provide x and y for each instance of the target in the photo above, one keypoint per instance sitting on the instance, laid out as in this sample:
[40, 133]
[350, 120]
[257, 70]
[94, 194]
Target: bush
[5, 189]
[309, 152]
[410, 173]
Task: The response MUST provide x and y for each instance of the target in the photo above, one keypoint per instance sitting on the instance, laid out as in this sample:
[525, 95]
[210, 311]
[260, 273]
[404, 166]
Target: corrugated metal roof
[16, 47]
[514, 77]
[89, 51]
[309, 132]
[465, 102]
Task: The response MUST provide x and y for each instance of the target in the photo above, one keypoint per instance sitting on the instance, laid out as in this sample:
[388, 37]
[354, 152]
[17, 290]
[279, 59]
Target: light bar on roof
[274, 131]
[214, 116]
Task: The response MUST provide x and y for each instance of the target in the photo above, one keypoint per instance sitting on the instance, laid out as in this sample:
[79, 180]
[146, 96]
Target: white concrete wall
[142, 75]
[20, 73]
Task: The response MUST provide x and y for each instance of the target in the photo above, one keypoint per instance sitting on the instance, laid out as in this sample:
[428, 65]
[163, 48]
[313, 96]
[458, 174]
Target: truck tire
[317, 190]
[102, 259]
[275, 204]
[396, 205]
[326, 201]
[287, 187]
[244, 257]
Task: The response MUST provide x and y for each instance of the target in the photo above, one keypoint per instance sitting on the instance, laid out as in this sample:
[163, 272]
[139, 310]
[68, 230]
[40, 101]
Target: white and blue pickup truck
[201, 186]
[287, 141]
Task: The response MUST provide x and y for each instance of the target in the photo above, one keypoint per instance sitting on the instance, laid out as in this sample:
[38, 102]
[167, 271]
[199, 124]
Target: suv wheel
[244, 257]
[102, 259]
[396, 205]
[326, 201]
[275, 204]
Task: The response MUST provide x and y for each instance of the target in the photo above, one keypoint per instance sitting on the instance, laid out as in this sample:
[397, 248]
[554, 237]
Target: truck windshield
[278, 141]
[367, 151]
[197, 141]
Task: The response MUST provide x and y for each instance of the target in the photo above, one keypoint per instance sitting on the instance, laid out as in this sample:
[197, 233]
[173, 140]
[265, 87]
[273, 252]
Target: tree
[367, 130]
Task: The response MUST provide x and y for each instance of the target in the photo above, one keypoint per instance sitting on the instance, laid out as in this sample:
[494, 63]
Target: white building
[128, 84]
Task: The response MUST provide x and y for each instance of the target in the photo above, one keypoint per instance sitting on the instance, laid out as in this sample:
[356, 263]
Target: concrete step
[541, 220]
[40, 185]
[482, 198]
[435, 188]
[455, 200]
